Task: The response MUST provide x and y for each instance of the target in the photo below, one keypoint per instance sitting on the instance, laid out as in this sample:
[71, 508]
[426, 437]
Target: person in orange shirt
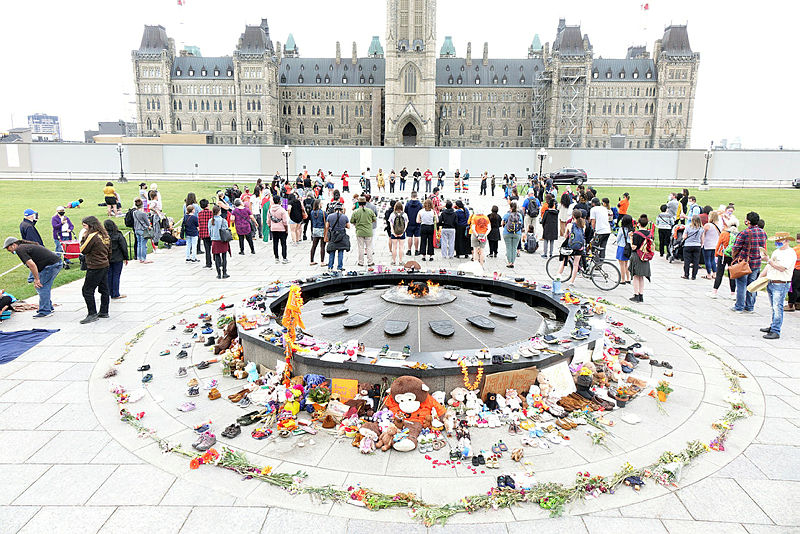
[794, 292]
[723, 260]
[624, 203]
[479, 229]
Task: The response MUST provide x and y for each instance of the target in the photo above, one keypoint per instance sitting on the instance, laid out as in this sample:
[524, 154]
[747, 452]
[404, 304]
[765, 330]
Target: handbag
[739, 268]
[758, 284]
[225, 235]
[147, 233]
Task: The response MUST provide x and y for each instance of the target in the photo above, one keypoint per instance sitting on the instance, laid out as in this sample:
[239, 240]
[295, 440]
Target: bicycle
[603, 273]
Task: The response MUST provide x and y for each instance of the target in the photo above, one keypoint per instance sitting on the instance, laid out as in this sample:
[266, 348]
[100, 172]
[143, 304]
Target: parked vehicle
[796, 183]
[569, 176]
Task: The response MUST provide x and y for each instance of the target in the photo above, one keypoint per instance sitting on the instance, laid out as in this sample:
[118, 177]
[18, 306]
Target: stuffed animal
[386, 439]
[375, 394]
[409, 399]
[293, 400]
[472, 418]
[363, 394]
[224, 342]
[491, 402]
[545, 387]
[436, 422]
[240, 373]
[439, 396]
[472, 402]
[493, 420]
[370, 433]
[501, 402]
[449, 420]
[457, 398]
[252, 371]
[512, 400]
[534, 395]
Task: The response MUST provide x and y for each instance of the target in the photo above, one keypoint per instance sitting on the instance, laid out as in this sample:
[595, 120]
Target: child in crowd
[75, 203]
[531, 244]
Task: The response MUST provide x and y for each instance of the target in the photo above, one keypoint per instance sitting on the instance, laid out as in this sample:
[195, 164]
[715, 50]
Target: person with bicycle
[573, 246]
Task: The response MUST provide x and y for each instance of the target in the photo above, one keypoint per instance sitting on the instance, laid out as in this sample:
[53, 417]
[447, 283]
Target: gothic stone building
[561, 95]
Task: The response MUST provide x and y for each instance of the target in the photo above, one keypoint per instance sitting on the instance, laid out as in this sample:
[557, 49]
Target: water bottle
[557, 286]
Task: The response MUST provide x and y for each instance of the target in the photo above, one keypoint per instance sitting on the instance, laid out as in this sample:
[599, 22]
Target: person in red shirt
[428, 180]
[203, 217]
[345, 182]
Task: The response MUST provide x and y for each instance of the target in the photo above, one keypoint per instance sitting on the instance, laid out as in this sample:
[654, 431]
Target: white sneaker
[277, 261]
[285, 261]
[712, 294]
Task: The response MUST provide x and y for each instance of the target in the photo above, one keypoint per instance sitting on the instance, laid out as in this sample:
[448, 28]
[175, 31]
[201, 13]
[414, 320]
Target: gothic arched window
[409, 77]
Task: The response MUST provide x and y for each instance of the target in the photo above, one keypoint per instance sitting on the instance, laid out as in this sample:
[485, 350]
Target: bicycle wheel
[605, 275]
[554, 264]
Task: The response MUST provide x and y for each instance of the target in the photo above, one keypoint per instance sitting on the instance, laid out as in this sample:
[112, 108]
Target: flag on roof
[645, 6]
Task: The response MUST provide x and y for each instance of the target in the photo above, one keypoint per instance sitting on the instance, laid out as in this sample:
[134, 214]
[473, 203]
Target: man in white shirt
[779, 270]
[598, 216]
[673, 205]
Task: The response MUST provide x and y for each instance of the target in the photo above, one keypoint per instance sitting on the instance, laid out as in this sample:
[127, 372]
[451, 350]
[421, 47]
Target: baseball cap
[9, 241]
[60, 208]
[29, 212]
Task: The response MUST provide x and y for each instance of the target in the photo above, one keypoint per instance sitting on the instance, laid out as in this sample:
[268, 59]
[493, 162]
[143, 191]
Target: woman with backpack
[724, 258]
[512, 233]
[426, 219]
[479, 230]
[549, 226]
[642, 252]
[711, 233]
[494, 233]
[219, 248]
[119, 257]
[692, 244]
[317, 218]
[576, 243]
[624, 247]
[278, 222]
[398, 222]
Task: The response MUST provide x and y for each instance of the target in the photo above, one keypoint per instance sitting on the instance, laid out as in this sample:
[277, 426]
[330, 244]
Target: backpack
[514, 223]
[399, 224]
[531, 245]
[646, 251]
[129, 222]
[577, 239]
[532, 210]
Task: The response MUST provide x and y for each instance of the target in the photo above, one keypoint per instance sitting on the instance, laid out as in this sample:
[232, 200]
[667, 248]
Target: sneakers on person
[41, 314]
[285, 261]
[771, 335]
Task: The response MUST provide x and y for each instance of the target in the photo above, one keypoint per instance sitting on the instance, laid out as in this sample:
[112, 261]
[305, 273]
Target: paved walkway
[67, 464]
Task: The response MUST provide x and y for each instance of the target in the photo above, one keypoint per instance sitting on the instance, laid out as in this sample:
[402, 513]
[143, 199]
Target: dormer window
[374, 68]
[359, 68]
[319, 78]
[300, 79]
[505, 79]
[608, 74]
[494, 80]
[362, 79]
[522, 80]
[316, 67]
[178, 72]
[491, 69]
[635, 74]
[459, 80]
[302, 67]
[191, 72]
[649, 74]
[450, 80]
[344, 79]
[477, 80]
[283, 78]
[621, 74]
[462, 68]
[203, 72]
[327, 79]
[595, 74]
[371, 79]
[230, 73]
[216, 72]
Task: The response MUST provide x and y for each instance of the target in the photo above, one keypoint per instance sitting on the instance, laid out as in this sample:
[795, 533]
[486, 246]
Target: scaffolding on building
[571, 91]
[541, 88]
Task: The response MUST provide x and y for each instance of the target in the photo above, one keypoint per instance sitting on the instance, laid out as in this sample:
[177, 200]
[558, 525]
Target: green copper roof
[448, 49]
[192, 50]
[537, 44]
[375, 48]
[290, 44]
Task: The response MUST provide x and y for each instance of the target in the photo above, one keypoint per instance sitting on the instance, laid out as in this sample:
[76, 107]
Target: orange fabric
[419, 416]
[623, 206]
[543, 209]
[797, 250]
[722, 244]
[481, 223]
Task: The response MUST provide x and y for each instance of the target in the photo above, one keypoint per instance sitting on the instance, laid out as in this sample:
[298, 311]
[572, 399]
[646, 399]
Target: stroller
[675, 247]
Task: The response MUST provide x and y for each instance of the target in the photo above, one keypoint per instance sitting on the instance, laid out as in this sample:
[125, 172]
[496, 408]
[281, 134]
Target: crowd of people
[577, 225]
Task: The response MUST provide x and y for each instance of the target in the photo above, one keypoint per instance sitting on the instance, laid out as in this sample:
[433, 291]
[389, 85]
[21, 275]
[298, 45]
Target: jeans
[364, 246]
[448, 244]
[279, 238]
[709, 255]
[46, 277]
[777, 294]
[416, 186]
[96, 279]
[548, 247]
[511, 241]
[391, 187]
[744, 299]
[60, 250]
[440, 184]
[332, 256]
[426, 241]
[191, 247]
[141, 246]
[114, 274]
[428, 186]
[207, 250]
[402, 185]
[691, 258]
[483, 188]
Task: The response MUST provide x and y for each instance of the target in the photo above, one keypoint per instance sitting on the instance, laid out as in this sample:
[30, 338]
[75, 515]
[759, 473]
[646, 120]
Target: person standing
[492, 184]
[403, 178]
[479, 225]
[308, 205]
[495, 222]
[440, 178]
[465, 182]
[457, 181]
[27, 228]
[692, 245]
[266, 203]
[381, 181]
[219, 248]
[447, 221]
[484, 180]
[428, 181]
[692, 208]
[255, 207]
[512, 233]
[398, 224]
[336, 226]
[96, 250]
[642, 250]
[549, 227]
[723, 259]
[779, 271]
[143, 230]
[110, 196]
[119, 257]
[317, 217]
[426, 219]
[601, 224]
[624, 203]
[392, 180]
[747, 247]
[412, 230]
[794, 290]
[203, 216]
[416, 175]
[62, 231]
[345, 182]
[244, 223]
[363, 218]
[664, 223]
[673, 206]
[576, 244]
[565, 208]
[191, 200]
[191, 230]
[530, 207]
[44, 266]
[367, 182]
[463, 247]
[624, 241]
[278, 223]
[711, 233]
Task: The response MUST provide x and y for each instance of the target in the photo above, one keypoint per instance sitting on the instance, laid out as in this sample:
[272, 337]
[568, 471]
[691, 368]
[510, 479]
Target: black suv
[569, 176]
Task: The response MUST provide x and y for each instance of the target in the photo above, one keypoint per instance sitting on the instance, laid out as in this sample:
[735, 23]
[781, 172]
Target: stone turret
[338, 53]
[469, 54]
[355, 53]
[485, 54]
[375, 48]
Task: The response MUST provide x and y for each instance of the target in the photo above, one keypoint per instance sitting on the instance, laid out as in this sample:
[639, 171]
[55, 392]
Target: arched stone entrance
[409, 135]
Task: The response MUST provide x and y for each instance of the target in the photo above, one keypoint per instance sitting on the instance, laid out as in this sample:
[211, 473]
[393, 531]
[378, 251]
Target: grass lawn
[778, 207]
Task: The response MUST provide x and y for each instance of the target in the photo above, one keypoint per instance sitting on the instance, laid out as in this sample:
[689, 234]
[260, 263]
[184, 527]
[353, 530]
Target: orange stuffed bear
[409, 396]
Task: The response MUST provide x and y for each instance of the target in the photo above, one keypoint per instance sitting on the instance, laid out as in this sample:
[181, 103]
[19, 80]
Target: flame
[432, 284]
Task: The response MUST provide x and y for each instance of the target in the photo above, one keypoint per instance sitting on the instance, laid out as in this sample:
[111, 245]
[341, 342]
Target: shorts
[392, 236]
[413, 230]
[621, 254]
[111, 201]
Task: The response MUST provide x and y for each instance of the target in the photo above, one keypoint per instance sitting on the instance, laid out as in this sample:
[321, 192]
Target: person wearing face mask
[62, 231]
[27, 228]
[779, 271]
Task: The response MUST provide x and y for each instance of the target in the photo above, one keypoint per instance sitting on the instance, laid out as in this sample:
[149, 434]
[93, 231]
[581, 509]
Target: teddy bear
[386, 439]
[369, 433]
[226, 340]
[533, 397]
[252, 371]
[545, 387]
[439, 396]
[512, 400]
[457, 398]
[449, 420]
[240, 373]
[491, 402]
[409, 398]
[472, 402]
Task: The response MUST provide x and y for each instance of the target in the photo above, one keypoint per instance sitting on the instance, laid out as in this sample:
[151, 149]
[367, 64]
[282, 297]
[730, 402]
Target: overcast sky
[72, 59]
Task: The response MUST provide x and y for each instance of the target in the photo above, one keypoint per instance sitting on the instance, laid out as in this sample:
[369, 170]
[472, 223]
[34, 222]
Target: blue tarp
[12, 344]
